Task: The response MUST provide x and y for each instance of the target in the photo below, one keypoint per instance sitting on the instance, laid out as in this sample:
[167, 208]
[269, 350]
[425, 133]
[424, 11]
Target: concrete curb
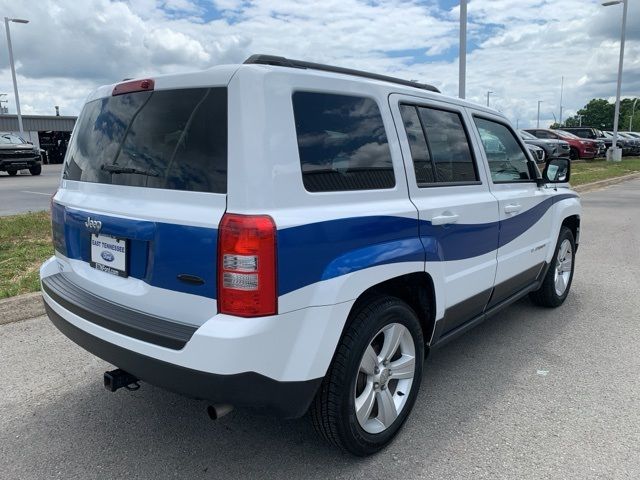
[588, 187]
[22, 307]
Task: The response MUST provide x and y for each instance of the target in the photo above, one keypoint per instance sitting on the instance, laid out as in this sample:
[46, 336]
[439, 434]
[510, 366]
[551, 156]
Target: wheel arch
[416, 289]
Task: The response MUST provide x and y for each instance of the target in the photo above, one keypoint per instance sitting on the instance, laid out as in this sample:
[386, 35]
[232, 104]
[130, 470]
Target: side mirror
[557, 170]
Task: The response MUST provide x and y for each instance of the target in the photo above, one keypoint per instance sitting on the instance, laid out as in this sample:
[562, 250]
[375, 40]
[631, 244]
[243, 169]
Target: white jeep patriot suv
[292, 237]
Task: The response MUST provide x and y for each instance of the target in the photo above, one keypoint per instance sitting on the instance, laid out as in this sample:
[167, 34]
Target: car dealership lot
[532, 393]
[28, 193]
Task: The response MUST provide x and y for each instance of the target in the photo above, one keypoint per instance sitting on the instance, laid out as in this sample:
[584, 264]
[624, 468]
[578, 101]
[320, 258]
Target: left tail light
[247, 265]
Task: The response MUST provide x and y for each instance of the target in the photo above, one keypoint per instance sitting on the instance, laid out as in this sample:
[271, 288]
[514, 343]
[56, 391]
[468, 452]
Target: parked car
[578, 147]
[628, 146]
[537, 153]
[635, 142]
[18, 154]
[310, 273]
[591, 133]
[553, 148]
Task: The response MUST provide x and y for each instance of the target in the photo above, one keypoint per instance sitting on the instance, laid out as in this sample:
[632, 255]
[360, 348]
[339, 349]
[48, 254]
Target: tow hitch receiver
[117, 378]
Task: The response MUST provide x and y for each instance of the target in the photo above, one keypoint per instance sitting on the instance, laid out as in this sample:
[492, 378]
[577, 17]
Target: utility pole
[489, 93]
[13, 67]
[462, 61]
[616, 153]
[633, 110]
[538, 122]
[561, 90]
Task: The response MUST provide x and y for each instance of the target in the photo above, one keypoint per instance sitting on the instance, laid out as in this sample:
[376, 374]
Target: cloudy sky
[518, 49]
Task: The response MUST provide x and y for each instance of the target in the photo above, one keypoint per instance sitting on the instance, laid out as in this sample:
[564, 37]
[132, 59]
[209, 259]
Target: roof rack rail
[287, 62]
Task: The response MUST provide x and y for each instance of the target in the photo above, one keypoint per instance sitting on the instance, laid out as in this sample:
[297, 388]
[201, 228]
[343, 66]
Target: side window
[418, 144]
[342, 143]
[439, 146]
[507, 161]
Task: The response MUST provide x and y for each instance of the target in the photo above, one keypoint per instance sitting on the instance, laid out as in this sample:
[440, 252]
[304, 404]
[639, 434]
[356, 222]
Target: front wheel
[36, 170]
[12, 173]
[557, 282]
[374, 379]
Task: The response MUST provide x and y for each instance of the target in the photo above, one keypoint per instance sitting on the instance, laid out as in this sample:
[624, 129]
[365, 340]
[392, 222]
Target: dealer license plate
[109, 254]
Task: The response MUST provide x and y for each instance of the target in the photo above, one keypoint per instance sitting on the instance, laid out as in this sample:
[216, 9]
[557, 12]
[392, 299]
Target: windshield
[10, 139]
[173, 139]
[526, 135]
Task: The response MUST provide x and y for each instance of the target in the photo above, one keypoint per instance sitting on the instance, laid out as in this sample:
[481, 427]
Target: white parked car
[287, 236]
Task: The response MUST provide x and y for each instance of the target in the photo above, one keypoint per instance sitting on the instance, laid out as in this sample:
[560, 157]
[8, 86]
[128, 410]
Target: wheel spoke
[369, 361]
[364, 403]
[404, 367]
[387, 412]
[560, 284]
[392, 337]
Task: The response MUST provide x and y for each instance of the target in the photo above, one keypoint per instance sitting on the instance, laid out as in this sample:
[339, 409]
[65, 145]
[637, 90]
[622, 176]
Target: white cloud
[521, 47]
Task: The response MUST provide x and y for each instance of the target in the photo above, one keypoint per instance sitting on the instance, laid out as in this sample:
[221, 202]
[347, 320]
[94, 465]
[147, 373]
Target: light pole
[489, 93]
[462, 62]
[538, 122]
[615, 153]
[13, 67]
[561, 90]
[633, 110]
[580, 119]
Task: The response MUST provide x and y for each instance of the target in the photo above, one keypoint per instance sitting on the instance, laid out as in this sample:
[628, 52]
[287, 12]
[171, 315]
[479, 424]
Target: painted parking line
[36, 193]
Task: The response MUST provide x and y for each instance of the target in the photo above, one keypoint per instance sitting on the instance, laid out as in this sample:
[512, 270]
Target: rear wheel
[13, 173]
[374, 379]
[36, 170]
[557, 282]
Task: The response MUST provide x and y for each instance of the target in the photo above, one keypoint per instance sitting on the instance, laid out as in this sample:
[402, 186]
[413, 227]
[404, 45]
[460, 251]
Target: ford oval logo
[107, 256]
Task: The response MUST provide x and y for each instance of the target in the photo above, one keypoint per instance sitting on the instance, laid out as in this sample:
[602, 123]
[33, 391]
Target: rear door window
[342, 143]
[172, 139]
[439, 146]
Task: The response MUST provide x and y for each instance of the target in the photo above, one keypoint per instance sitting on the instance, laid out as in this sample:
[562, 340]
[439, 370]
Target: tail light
[247, 265]
[133, 86]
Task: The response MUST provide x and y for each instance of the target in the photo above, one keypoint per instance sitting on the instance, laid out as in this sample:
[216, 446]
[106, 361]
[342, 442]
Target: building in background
[49, 132]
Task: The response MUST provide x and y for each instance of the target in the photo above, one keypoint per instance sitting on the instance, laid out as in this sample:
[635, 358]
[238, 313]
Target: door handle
[445, 219]
[512, 208]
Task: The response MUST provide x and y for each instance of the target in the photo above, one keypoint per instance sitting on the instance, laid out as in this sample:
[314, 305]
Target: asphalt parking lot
[532, 393]
[26, 193]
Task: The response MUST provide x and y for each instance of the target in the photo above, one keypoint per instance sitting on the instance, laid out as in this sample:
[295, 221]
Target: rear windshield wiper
[131, 170]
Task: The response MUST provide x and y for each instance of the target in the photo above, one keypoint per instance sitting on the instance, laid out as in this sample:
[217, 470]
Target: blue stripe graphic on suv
[158, 252]
[306, 253]
[319, 251]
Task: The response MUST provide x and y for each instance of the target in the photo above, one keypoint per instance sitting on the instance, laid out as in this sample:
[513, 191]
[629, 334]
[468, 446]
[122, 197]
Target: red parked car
[580, 147]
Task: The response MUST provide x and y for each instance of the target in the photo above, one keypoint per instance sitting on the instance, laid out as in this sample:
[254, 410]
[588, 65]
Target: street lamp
[580, 119]
[615, 153]
[489, 93]
[633, 109]
[13, 67]
[462, 61]
[538, 122]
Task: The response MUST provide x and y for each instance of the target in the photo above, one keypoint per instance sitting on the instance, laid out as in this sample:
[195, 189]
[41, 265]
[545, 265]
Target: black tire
[546, 295]
[574, 154]
[12, 173]
[333, 410]
[36, 170]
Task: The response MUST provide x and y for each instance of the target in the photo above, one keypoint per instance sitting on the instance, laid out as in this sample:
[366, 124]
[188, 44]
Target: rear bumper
[249, 389]
[272, 364]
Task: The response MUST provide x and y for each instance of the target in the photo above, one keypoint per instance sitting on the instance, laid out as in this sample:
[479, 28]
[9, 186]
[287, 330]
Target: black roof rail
[287, 62]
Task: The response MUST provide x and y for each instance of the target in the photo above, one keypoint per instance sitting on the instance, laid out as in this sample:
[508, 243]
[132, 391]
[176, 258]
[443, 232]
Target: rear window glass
[173, 139]
[342, 143]
[439, 146]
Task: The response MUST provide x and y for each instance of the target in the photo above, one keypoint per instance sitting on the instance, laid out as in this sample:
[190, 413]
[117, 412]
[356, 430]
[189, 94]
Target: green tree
[599, 113]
